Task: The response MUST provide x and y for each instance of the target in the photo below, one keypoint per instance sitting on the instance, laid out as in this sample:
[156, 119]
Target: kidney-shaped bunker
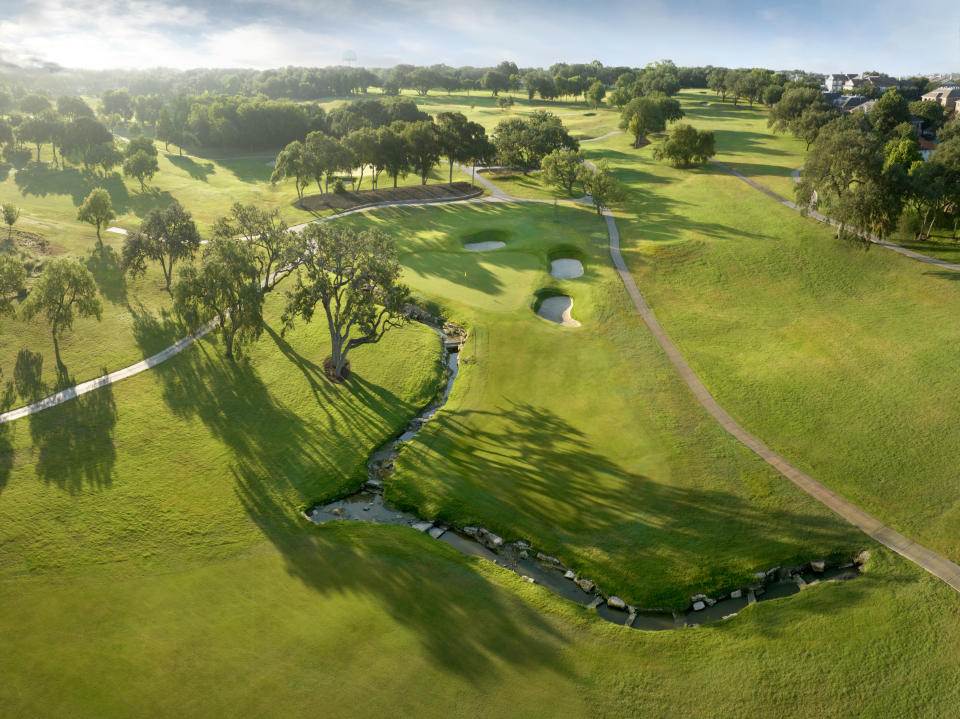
[557, 309]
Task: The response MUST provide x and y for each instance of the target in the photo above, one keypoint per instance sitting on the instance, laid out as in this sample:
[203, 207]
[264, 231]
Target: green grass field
[580, 440]
[153, 559]
[831, 353]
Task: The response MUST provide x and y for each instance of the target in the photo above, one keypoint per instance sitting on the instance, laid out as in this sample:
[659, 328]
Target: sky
[819, 36]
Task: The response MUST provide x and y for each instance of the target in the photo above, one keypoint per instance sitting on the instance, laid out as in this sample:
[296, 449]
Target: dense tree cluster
[867, 172]
[394, 137]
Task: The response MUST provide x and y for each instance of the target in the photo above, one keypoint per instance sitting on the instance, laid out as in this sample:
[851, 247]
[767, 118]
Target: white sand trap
[271, 163]
[566, 269]
[484, 246]
[117, 230]
[557, 309]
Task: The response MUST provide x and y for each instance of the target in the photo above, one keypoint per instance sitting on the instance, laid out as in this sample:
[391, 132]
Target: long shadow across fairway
[40, 180]
[197, 170]
[525, 466]
[461, 624]
[73, 443]
[276, 455]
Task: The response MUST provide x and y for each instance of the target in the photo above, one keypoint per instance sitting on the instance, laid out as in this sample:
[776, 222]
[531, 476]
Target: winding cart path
[929, 560]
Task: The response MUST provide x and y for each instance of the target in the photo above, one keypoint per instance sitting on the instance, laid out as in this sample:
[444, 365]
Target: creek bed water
[519, 557]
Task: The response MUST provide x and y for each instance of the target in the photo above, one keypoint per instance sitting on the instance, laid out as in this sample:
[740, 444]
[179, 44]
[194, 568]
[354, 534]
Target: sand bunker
[484, 246]
[566, 269]
[116, 230]
[557, 309]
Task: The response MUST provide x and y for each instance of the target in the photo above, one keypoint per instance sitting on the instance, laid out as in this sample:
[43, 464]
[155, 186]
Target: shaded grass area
[348, 200]
[531, 186]
[447, 634]
[835, 356]
[162, 467]
[584, 441]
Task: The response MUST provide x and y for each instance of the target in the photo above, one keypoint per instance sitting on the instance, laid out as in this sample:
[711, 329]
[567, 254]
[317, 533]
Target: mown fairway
[580, 439]
[152, 556]
[836, 355]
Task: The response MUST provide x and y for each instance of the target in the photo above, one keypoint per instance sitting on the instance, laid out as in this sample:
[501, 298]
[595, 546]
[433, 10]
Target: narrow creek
[520, 557]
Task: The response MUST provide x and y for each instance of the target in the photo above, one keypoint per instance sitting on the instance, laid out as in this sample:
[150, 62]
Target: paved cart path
[929, 560]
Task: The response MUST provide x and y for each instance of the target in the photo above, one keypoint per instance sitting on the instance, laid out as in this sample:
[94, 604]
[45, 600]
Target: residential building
[864, 107]
[880, 82]
[834, 83]
[845, 103]
[947, 95]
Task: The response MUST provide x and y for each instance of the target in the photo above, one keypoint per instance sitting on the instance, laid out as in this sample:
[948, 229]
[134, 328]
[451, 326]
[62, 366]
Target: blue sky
[840, 36]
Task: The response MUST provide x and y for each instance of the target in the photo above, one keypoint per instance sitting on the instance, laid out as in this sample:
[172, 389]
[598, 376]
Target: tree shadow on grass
[73, 443]
[278, 457]
[42, 180]
[197, 170]
[152, 198]
[155, 332]
[105, 265]
[461, 620]
[249, 170]
[523, 470]
[28, 375]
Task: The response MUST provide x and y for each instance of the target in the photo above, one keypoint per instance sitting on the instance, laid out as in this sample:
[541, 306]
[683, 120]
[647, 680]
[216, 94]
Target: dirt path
[823, 218]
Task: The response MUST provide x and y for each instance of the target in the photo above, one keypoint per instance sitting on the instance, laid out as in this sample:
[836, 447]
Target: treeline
[866, 170]
[69, 126]
[394, 137]
[560, 80]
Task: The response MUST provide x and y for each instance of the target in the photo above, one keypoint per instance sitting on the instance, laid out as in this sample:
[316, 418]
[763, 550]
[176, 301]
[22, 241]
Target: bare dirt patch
[349, 200]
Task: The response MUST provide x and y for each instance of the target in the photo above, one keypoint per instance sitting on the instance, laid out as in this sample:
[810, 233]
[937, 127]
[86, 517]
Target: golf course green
[154, 557]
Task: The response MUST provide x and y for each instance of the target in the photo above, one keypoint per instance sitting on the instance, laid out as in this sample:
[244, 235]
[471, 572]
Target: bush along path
[535, 567]
[869, 237]
[932, 562]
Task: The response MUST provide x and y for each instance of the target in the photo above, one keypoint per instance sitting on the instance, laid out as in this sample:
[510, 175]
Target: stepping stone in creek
[422, 526]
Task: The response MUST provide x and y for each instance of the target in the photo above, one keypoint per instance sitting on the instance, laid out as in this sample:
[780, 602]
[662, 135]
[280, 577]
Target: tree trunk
[228, 333]
[99, 240]
[394, 182]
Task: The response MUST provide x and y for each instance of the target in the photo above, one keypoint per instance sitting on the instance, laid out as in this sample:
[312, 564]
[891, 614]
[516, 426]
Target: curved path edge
[925, 558]
[829, 221]
[180, 345]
